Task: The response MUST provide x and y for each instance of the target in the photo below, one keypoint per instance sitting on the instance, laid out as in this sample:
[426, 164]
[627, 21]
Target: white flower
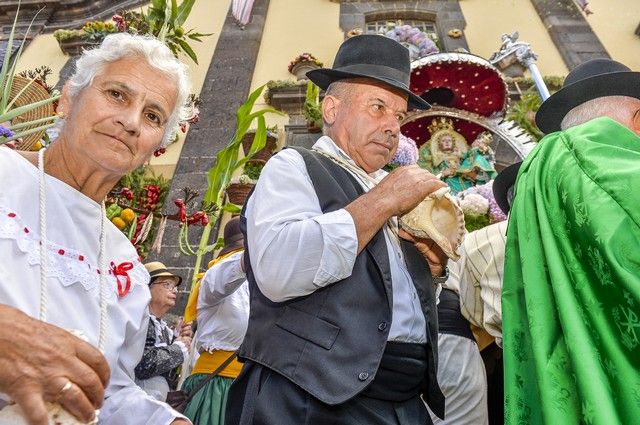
[474, 204]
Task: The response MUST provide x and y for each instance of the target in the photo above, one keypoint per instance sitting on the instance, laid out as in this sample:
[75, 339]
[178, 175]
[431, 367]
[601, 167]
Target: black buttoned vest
[330, 342]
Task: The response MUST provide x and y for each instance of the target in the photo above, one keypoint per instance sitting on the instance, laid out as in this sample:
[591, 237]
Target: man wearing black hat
[572, 269]
[342, 326]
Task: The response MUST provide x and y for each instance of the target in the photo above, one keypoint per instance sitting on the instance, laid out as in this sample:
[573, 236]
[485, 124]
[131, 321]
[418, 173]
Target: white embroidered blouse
[73, 233]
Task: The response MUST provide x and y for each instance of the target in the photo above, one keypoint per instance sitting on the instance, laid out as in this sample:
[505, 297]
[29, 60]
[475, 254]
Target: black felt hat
[233, 238]
[371, 56]
[503, 182]
[587, 81]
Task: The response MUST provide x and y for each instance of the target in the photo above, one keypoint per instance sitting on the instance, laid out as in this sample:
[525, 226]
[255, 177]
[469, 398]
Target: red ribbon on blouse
[121, 270]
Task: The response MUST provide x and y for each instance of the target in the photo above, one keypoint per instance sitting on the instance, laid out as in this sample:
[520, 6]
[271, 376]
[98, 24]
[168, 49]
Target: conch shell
[12, 415]
[439, 218]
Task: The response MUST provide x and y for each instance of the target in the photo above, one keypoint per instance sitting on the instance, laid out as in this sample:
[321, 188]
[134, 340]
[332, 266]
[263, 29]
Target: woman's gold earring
[61, 115]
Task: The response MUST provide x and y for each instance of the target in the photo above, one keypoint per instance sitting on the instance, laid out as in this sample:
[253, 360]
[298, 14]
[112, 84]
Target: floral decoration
[480, 207]
[454, 33]
[475, 208]
[93, 31]
[5, 132]
[474, 204]
[163, 20]
[137, 196]
[304, 57]
[406, 154]
[418, 42]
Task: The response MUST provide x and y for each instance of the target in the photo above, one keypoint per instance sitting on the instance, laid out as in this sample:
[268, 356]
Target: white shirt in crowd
[477, 277]
[223, 306]
[295, 249]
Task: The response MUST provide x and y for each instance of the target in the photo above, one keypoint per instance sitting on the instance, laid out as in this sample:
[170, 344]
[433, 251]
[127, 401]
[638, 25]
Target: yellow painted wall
[615, 21]
[293, 27]
[207, 16]
[43, 50]
[487, 20]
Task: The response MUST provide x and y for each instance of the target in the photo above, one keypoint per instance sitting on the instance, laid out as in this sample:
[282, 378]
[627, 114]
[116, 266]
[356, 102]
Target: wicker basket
[238, 192]
[34, 92]
[263, 154]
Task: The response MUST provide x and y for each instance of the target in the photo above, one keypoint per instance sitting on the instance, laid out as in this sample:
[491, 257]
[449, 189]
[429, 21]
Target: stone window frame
[407, 17]
[446, 15]
[428, 26]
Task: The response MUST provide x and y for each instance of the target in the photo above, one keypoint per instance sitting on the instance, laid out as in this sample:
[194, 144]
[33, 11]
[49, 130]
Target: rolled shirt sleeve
[294, 248]
[221, 280]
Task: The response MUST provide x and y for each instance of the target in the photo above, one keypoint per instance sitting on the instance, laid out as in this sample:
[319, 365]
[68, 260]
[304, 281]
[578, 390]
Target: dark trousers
[492, 358]
[260, 396]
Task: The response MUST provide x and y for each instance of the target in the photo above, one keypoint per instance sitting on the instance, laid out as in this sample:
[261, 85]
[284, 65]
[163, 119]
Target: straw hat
[33, 93]
[157, 269]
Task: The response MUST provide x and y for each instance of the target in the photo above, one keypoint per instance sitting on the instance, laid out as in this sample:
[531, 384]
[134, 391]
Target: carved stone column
[570, 31]
[226, 87]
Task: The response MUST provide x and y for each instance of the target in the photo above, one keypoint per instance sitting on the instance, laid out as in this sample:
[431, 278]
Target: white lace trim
[67, 265]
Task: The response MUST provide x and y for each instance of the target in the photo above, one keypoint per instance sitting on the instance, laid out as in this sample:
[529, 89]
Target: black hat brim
[232, 243]
[555, 108]
[505, 179]
[323, 77]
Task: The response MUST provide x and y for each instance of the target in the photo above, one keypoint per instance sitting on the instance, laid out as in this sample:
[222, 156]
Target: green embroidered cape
[571, 299]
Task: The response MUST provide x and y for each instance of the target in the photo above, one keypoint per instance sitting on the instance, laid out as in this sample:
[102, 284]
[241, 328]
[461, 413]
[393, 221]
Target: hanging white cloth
[584, 6]
[241, 10]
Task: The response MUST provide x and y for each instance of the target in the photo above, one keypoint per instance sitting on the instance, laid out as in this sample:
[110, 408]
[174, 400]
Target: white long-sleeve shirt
[73, 228]
[295, 249]
[477, 277]
[223, 306]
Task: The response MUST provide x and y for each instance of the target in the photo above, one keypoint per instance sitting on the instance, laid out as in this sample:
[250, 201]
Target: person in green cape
[571, 297]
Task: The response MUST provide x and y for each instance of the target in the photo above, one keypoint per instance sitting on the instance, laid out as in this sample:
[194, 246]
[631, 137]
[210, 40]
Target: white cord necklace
[102, 266]
[392, 223]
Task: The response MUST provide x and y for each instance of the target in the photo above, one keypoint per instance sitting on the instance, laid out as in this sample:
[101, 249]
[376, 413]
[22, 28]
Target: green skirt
[208, 405]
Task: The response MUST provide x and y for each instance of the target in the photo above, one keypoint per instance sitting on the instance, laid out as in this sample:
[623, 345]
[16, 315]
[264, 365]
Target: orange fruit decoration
[119, 223]
[128, 215]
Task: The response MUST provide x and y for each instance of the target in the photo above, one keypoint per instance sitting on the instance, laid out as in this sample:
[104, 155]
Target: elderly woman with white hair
[65, 267]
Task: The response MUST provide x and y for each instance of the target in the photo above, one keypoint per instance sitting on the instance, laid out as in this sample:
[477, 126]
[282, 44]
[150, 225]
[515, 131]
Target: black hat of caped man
[587, 81]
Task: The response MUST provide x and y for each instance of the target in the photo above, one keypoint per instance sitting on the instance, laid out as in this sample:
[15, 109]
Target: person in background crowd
[461, 373]
[222, 300]
[158, 370]
[343, 325]
[65, 266]
[572, 267]
[477, 278]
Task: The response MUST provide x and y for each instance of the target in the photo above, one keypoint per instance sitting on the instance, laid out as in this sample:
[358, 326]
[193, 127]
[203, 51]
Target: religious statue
[446, 154]
[482, 146]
